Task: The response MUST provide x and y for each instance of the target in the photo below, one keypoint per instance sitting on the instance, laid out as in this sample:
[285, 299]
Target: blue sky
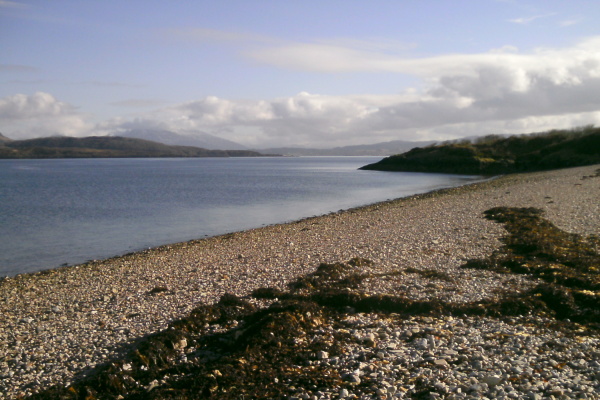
[310, 73]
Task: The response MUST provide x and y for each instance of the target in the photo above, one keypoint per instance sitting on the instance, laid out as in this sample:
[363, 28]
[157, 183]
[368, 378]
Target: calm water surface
[68, 211]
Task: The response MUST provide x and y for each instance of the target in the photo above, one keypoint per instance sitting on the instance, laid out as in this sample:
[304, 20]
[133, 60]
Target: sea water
[67, 211]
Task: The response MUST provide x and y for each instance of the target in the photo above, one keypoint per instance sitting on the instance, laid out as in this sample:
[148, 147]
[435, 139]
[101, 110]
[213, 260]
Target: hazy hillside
[196, 139]
[493, 155]
[4, 140]
[106, 146]
[377, 149]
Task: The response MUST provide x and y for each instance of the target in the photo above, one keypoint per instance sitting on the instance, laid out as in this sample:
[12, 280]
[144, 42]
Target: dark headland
[495, 155]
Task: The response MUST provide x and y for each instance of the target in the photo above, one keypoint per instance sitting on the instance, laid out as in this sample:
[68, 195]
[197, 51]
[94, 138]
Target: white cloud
[516, 126]
[527, 20]
[339, 55]
[330, 58]
[502, 90]
[316, 57]
[570, 22]
[283, 119]
[492, 89]
[40, 104]
[39, 114]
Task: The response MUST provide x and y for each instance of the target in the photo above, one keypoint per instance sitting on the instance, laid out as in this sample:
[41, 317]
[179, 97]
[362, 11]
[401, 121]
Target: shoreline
[62, 322]
[76, 237]
[170, 246]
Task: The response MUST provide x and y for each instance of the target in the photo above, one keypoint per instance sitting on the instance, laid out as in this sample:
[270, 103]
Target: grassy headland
[493, 155]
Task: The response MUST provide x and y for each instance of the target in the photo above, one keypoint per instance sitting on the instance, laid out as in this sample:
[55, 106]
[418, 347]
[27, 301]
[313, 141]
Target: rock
[180, 344]
[431, 342]
[475, 388]
[158, 290]
[440, 363]
[492, 380]
[352, 378]
[370, 340]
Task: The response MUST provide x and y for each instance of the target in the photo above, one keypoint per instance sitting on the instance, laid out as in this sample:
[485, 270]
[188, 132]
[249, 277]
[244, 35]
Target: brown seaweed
[234, 350]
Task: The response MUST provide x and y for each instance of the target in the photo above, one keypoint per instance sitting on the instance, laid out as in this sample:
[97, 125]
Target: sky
[267, 73]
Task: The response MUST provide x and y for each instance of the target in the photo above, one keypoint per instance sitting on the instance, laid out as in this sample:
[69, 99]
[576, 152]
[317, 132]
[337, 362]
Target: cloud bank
[499, 91]
[40, 114]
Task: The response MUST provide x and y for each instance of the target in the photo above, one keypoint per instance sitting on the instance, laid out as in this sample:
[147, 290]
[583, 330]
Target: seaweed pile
[568, 263]
[236, 350]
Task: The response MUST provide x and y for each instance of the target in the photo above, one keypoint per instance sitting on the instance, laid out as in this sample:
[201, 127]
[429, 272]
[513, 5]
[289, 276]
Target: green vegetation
[106, 147]
[493, 155]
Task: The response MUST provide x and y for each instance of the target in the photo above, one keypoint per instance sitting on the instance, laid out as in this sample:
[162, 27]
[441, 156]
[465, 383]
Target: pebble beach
[58, 325]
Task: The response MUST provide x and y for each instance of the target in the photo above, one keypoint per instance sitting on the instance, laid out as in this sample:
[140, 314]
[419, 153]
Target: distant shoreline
[132, 206]
[106, 147]
[227, 235]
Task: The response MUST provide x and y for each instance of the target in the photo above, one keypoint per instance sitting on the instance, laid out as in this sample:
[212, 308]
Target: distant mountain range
[195, 139]
[105, 147]
[377, 149]
[207, 141]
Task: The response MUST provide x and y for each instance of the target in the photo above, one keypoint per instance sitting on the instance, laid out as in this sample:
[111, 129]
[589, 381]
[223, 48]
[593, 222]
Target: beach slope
[381, 303]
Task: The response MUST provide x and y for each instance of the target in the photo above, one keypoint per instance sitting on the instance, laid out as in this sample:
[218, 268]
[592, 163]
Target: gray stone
[492, 380]
[440, 363]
